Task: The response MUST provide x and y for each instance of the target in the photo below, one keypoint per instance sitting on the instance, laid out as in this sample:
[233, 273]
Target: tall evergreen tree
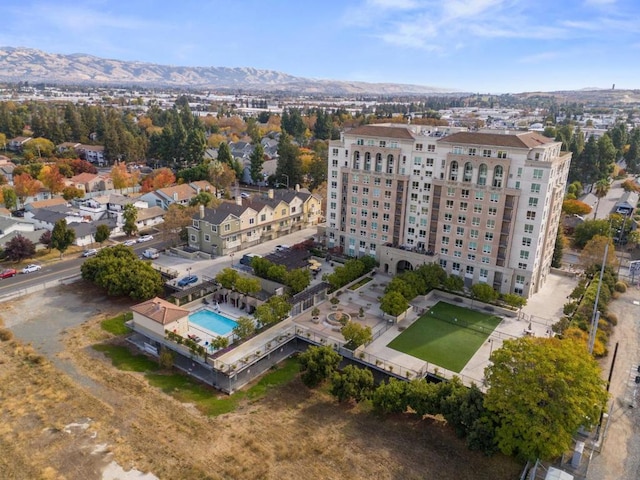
[257, 161]
[289, 164]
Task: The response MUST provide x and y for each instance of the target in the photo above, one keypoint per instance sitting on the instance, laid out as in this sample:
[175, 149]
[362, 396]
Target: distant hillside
[26, 64]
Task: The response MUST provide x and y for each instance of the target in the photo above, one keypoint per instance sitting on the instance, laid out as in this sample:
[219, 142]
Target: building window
[457, 253]
[485, 260]
[498, 173]
[537, 173]
[464, 193]
[448, 217]
[445, 240]
[533, 202]
[227, 227]
[462, 219]
[451, 191]
[535, 188]
[493, 210]
[444, 251]
[502, 154]
[418, 147]
[488, 237]
[460, 231]
[531, 215]
[463, 206]
[526, 241]
[469, 270]
[486, 153]
[528, 228]
[473, 246]
[446, 228]
[453, 171]
[475, 221]
[474, 233]
[484, 274]
[443, 263]
[482, 175]
[472, 152]
[477, 208]
[491, 224]
[522, 266]
[486, 249]
[459, 243]
[214, 228]
[479, 195]
[455, 267]
[524, 255]
[449, 204]
[495, 198]
[193, 238]
[468, 172]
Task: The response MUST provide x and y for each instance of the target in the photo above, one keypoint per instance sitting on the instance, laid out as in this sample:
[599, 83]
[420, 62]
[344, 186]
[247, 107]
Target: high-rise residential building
[484, 205]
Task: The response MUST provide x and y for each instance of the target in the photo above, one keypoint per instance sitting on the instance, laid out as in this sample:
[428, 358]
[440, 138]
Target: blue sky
[471, 45]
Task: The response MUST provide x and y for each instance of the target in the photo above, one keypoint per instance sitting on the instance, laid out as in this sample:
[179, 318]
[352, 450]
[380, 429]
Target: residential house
[66, 147]
[47, 217]
[237, 225]
[92, 153]
[157, 316]
[91, 182]
[180, 194]
[149, 217]
[17, 144]
[51, 202]
[11, 227]
[86, 231]
[6, 169]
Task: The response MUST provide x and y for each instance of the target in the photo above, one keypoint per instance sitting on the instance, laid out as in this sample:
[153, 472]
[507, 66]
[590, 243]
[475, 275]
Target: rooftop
[515, 140]
[400, 132]
[160, 311]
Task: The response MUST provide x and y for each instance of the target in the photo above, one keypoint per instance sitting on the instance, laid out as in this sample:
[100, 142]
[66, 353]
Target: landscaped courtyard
[446, 335]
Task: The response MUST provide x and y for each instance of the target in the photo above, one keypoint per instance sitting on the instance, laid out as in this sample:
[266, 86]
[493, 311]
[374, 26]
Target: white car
[90, 253]
[145, 238]
[282, 248]
[129, 243]
[31, 268]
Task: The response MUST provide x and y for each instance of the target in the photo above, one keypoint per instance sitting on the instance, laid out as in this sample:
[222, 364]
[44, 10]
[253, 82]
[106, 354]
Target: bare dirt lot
[67, 413]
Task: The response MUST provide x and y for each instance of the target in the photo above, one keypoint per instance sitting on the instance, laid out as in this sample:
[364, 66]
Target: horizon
[580, 45]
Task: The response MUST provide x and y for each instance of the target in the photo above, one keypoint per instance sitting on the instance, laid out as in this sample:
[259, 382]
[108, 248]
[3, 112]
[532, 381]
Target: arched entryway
[403, 266]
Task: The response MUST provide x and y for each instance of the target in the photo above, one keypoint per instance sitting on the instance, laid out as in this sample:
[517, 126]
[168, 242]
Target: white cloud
[394, 4]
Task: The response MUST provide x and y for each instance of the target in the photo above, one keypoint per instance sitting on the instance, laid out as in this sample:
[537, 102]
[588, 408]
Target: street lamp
[287, 176]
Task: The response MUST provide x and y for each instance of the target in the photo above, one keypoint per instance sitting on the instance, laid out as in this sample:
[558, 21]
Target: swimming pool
[212, 321]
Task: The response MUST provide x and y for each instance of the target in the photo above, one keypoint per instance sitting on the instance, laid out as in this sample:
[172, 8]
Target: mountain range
[19, 64]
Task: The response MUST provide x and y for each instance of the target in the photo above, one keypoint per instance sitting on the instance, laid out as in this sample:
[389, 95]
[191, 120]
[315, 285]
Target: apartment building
[485, 205]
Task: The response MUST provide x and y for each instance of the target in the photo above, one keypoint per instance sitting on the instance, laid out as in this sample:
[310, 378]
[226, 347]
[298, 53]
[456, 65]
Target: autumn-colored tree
[215, 140]
[161, 178]
[593, 252]
[51, 178]
[176, 220]
[39, 148]
[81, 166]
[630, 186]
[575, 207]
[25, 186]
[120, 176]
[71, 192]
[221, 175]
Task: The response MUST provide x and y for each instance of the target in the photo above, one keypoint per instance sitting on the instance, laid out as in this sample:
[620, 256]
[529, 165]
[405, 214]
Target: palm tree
[601, 190]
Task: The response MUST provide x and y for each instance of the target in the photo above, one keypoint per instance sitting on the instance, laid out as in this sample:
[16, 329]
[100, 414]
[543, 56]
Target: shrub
[569, 308]
[612, 318]
[620, 287]
[5, 334]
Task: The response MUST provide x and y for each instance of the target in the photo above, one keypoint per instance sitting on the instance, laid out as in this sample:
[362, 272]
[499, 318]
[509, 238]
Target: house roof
[184, 192]
[215, 216]
[84, 177]
[50, 202]
[49, 215]
[95, 148]
[401, 132]
[628, 199]
[516, 140]
[160, 311]
[151, 212]
[83, 229]
[202, 185]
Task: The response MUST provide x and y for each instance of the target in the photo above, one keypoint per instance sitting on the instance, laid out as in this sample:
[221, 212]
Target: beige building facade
[485, 205]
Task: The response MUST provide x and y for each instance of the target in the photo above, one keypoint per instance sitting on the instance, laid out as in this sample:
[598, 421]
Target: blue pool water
[212, 321]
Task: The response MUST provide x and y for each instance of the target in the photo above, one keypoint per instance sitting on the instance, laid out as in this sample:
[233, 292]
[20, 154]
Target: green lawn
[186, 389]
[116, 325]
[448, 344]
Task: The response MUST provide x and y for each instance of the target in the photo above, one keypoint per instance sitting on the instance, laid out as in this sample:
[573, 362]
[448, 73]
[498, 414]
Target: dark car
[188, 280]
[8, 273]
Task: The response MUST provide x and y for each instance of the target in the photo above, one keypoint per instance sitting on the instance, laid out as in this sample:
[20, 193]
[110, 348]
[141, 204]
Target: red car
[8, 272]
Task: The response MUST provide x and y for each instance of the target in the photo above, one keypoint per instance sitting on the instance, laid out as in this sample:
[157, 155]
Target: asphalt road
[69, 266]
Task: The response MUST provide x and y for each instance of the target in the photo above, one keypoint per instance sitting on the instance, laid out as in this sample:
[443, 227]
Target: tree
[289, 165]
[220, 342]
[248, 285]
[542, 390]
[575, 207]
[103, 232]
[273, 311]
[601, 190]
[391, 397]
[318, 364]
[39, 148]
[120, 176]
[160, 178]
[62, 237]
[352, 383]
[227, 277]
[221, 176]
[588, 229]
[195, 146]
[130, 215]
[297, 280]
[19, 248]
[484, 292]
[257, 160]
[356, 335]
[203, 198]
[558, 250]
[176, 220]
[224, 153]
[453, 283]
[245, 327]
[119, 271]
[25, 186]
[514, 300]
[45, 239]
[51, 178]
[593, 252]
[9, 197]
[634, 238]
[393, 303]
[71, 192]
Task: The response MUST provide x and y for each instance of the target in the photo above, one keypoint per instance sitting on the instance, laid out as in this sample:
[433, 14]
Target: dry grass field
[290, 433]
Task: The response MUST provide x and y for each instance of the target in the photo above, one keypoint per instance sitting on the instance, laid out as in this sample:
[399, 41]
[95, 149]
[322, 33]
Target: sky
[486, 46]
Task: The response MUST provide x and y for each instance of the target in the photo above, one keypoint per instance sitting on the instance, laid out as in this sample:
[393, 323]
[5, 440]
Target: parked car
[280, 248]
[8, 273]
[129, 243]
[31, 268]
[188, 280]
[90, 253]
[145, 238]
[245, 195]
